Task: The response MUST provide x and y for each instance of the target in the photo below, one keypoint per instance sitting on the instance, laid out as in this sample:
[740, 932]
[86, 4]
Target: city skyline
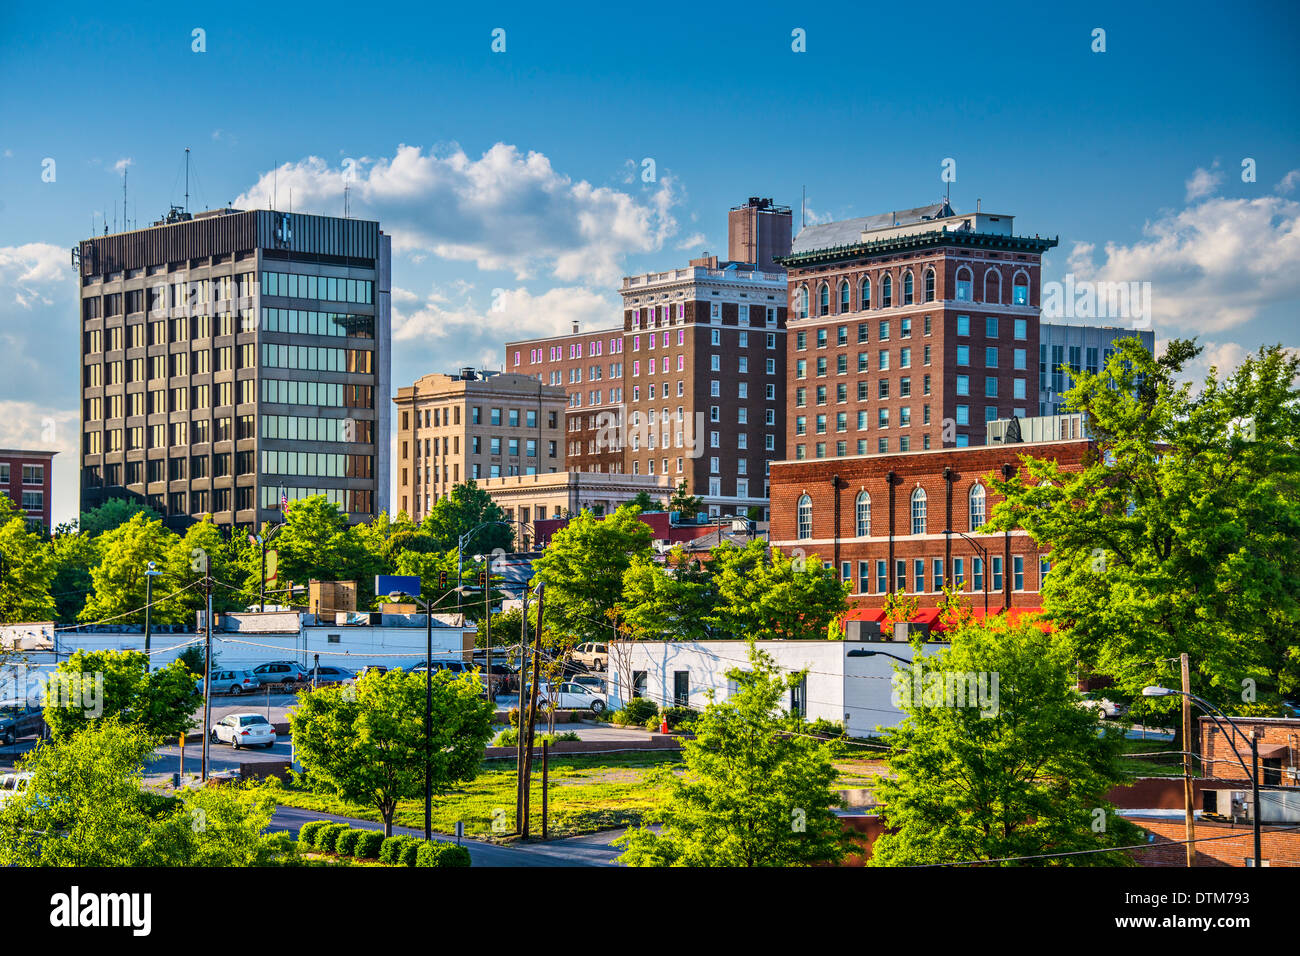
[508, 223]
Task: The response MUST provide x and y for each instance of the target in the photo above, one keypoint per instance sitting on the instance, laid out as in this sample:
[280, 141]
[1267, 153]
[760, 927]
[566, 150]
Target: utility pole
[207, 666]
[532, 707]
[149, 574]
[428, 719]
[487, 625]
[1189, 817]
[519, 737]
[545, 783]
[1254, 787]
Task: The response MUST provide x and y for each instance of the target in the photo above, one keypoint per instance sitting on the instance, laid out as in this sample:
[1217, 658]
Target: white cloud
[30, 426]
[695, 240]
[1212, 266]
[38, 319]
[1203, 182]
[1224, 357]
[505, 210]
[122, 164]
[1288, 183]
[513, 314]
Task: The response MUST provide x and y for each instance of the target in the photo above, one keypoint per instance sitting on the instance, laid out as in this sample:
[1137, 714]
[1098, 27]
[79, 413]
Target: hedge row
[341, 839]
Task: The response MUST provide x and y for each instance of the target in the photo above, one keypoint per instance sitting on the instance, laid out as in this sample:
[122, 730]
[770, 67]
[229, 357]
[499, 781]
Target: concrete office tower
[473, 425]
[1063, 349]
[232, 357]
[910, 330]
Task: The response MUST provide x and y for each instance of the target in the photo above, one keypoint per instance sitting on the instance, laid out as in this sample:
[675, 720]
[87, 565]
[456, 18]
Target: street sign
[408, 584]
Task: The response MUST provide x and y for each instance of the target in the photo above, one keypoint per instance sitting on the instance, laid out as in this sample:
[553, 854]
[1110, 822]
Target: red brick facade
[1278, 743]
[25, 477]
[833, 488]
[1217, 844]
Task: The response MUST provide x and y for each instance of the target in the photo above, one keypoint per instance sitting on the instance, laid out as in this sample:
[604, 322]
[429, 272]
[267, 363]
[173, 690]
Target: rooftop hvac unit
[1277, 806]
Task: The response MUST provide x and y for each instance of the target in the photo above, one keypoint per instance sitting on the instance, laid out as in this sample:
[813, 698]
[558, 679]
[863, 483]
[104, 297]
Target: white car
[244, 730]
[12, 784]
[570, 696]
[1104, 708]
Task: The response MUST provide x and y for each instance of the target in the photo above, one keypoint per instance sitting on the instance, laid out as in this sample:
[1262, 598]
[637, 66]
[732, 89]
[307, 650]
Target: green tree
[73, 557]
[764, 595]
[757, 789]
[996, 759]
[464, 508]
[26, 573]
[583, 568]
[113, 513]
[1182, 532]
[93, 686]
[316, 543]
[643, 503]
[685, 504]
[201, 545]
[119, 577]
[85, 806]
[366, 743]
[669, 601]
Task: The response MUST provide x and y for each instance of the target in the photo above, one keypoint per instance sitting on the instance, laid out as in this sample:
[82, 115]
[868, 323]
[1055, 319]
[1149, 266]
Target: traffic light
[482, 579]
[442, 580]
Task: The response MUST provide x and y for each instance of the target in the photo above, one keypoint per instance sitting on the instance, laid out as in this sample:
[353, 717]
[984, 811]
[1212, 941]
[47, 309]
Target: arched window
[801, 301]
[805, 518]
[929, 285]
[844, 296]
[993, 286]
[976, 506]
[908, 287]
[918, 511]
[964, 282]
[864, 294]
[886, 291]
[863, 514]
[1020, 289]
[824, 299]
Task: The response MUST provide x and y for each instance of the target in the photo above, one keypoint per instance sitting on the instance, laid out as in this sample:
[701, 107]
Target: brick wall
[1279, 847]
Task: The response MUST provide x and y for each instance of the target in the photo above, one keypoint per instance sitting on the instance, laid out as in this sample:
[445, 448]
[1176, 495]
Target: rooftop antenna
[187, 180]
[346, 187]
[125, 226]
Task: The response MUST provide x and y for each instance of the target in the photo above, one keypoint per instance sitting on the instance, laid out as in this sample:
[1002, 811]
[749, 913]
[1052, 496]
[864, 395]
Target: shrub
[514, 716]
[821, 727]
[407, 856]
[507, 738]
[437, 853]
[327, 837]
[652, 722]
[567, 735]
[391, 849]
[638, 710]
[307, 835]
[347, 841]
[679, 717]
[368, 843]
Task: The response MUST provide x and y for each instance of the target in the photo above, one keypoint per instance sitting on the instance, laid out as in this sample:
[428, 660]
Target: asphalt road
[591, 850]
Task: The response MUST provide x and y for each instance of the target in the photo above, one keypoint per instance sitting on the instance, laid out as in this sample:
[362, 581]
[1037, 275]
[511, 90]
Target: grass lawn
[1168, 764]
[587, 794]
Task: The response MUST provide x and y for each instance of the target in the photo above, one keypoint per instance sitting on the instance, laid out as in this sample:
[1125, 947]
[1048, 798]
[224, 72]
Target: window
[963, 384]
[964, 283]
[804, 518]
[990, 386]
[977, 500]
[844, 296]
[864, 302]
[991, 356]
[963, 415]
[918, 511]
[907, 288]
[963, 325]
[824, 299]
[937, 574]
[863, 515]
[882, 577]
[963, 355]
[1020, 290]
[918, 575]
[886, 291]
[1018, 572]
[929, 286]
[977, 574]
[997, 572]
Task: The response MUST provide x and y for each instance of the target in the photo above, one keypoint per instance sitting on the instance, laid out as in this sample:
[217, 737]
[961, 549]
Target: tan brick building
[530, 498]
[473, 426]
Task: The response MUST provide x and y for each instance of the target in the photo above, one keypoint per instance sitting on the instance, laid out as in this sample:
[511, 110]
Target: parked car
[12, 784]
[595, 684]
[593, 655]
[232, 682]
[244, 730]
[1105, 708]
[368, 669]
[329, 674]
[570, 696]
[18, 719]
[456, 667]
[282, 672]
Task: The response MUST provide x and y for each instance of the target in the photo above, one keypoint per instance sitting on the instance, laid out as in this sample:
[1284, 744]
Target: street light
[1210, 709]
[866, 653]
[984, 570]
[151, 571]
[261, 543]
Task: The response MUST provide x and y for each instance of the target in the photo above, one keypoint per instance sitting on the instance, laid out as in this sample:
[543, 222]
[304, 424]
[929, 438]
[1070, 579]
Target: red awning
[865, 614]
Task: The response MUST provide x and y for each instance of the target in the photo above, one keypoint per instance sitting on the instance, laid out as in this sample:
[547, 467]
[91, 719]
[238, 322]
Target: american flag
[284, 500]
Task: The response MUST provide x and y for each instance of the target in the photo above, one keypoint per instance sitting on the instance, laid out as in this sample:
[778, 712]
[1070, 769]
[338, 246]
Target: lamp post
[866, 653]
[1211, 710]
[261, 543]
[151, 571]
[460, 547]
[984, 556]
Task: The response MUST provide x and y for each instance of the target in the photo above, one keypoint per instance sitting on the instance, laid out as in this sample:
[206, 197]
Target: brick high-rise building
[234, 357]
[26, 479]
[589, 367]
[692, 384]
[456, 428]
[910, 330]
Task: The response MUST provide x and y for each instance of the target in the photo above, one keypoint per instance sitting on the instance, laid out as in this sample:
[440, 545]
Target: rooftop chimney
[575, 326]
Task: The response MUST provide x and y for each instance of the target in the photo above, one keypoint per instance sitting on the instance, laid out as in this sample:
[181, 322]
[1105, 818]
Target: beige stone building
[474, 426]
[529, 498]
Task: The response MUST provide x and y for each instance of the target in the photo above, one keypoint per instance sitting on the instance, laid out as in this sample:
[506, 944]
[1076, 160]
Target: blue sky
[519, 173]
